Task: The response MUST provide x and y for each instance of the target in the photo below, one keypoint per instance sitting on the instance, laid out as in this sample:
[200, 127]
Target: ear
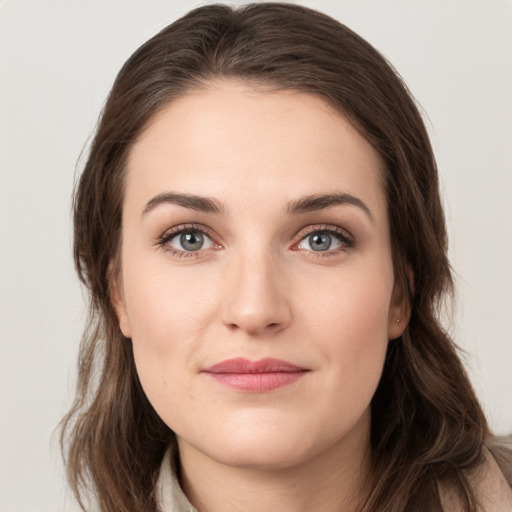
[117, 299]
[400, 307]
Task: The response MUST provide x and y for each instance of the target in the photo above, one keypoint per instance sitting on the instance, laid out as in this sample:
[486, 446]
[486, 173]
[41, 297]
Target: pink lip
[255, 376]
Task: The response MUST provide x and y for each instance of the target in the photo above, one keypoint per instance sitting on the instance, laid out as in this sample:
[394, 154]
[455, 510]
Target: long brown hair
[427, 425]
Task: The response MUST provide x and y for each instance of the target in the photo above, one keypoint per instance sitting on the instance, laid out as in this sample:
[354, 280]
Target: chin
[263, 447]
[262, 456]
[274, 440]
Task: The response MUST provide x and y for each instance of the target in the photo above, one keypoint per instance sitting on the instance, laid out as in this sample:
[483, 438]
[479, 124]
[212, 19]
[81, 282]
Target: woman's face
[257, 283]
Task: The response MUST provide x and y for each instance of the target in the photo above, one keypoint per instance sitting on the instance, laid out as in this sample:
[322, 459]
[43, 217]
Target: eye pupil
[191, 241]
[320, 241]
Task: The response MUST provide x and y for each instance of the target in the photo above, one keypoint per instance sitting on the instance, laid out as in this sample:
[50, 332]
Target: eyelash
[164, 240]
[347, 240]
[340, 234]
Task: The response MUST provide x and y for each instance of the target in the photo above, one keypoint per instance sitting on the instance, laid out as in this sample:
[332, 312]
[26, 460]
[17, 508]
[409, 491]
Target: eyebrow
[199, 203]
[300, 206]
[317, 202]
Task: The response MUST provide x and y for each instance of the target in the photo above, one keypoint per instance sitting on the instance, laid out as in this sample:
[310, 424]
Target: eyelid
[346, 237]
[163, 240]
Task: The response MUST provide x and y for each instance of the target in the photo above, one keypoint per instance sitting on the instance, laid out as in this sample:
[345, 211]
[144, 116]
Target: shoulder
[492, 489]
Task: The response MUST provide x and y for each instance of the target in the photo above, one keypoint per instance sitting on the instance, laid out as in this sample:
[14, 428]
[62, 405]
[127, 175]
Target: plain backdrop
[58, 59]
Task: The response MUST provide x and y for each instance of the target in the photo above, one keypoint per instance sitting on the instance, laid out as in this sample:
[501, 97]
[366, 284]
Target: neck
[333, 480]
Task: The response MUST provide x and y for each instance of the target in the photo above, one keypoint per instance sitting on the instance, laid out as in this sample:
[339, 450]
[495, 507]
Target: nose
[255, 298]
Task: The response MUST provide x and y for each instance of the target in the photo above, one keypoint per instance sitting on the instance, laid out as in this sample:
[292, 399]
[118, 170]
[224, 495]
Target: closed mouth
[255, 376]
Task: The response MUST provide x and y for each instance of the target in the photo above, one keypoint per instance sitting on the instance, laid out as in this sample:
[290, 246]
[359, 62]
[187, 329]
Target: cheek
[162, 304]
[169, 315]
[353, 305]
[350, 326]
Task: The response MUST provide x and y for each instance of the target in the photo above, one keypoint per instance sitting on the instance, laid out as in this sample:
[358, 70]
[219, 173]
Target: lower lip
[257, 382]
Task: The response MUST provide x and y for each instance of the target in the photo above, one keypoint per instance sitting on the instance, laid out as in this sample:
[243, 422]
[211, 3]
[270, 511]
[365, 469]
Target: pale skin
[262, 281]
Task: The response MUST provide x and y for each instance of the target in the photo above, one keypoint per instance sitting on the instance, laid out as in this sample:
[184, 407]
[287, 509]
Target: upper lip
[242, 365]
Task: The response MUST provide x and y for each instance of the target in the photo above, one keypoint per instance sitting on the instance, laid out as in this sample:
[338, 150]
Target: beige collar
[170, 497]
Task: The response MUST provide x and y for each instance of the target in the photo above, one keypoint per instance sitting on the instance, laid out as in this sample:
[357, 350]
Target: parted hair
[427, 425]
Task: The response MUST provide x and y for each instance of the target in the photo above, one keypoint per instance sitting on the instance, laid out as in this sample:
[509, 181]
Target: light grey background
[57, 61]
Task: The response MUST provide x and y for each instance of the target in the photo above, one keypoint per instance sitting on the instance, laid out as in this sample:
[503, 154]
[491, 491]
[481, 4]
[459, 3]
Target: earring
[398, 320]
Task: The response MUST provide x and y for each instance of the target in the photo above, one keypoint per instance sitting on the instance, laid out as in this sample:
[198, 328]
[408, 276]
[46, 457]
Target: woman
[260, 229]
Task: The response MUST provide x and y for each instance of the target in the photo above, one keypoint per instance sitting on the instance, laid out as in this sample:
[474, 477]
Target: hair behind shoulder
[427, 424]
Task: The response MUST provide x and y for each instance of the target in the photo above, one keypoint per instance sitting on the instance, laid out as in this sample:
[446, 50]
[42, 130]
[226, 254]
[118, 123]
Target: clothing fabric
[170, 497]
[494, 493]
[491, 487]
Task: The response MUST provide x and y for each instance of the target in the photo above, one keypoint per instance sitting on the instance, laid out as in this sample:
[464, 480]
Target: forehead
[233, 141]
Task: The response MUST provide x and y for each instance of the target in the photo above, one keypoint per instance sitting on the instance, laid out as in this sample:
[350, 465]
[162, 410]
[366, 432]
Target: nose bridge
[255, 301]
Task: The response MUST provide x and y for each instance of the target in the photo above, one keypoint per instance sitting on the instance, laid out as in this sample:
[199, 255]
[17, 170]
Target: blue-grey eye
[190, 241]
[320, 242]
